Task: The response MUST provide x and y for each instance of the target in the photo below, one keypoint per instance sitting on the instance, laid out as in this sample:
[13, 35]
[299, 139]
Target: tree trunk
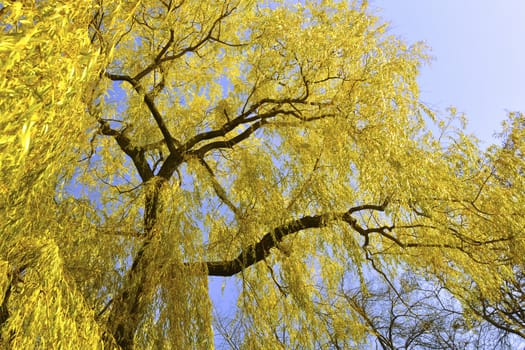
[184, 289]
[130, 303]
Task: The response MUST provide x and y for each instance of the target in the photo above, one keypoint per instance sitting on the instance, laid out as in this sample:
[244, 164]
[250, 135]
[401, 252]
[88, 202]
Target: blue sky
[479, 55]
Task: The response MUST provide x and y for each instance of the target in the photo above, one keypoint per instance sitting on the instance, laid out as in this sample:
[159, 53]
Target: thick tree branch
[135, 153]
[121, 77]
[247, 116]
[260, 120]
[148, 100]
[157, 60]
[171, 142]
[170, 165]
[201, 152]
[260, 250]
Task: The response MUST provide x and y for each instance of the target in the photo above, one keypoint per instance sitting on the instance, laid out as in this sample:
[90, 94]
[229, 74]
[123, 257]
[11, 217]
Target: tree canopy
[147, 145]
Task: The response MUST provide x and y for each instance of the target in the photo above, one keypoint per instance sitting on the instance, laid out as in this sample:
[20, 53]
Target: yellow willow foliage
[146, 145]
[48, 311]
[47, 66]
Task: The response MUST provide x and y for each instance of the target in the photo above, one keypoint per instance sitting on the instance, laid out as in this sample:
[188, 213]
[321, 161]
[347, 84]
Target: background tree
[419, 314]
[506, 311]
[148, 145]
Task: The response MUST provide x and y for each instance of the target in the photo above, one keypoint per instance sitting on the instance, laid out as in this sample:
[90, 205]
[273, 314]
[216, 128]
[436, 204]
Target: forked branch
[171, 142]
[135, 153]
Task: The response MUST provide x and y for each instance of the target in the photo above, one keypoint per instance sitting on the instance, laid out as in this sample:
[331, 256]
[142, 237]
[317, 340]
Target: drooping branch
[219, 190]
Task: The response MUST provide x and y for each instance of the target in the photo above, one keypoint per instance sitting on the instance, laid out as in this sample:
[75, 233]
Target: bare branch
[200, 43]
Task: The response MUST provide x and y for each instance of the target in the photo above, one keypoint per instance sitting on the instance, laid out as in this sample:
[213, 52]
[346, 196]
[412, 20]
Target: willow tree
[148, 145]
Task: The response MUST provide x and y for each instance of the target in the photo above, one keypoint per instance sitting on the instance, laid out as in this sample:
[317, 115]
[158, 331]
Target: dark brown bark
[261, 249]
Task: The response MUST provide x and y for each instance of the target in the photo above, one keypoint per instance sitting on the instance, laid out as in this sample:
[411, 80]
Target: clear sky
[479, 55]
